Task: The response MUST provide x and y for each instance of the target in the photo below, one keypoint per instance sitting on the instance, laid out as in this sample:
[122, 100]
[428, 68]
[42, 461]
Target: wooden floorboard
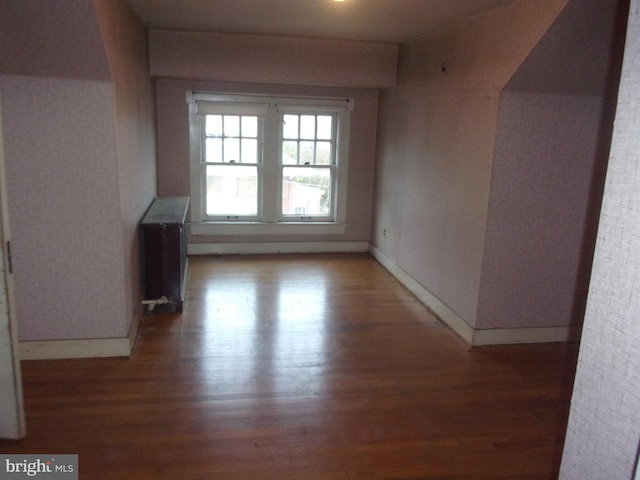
[302, 367]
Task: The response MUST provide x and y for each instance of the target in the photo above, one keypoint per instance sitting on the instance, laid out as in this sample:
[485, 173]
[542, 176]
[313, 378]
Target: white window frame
[270, 219]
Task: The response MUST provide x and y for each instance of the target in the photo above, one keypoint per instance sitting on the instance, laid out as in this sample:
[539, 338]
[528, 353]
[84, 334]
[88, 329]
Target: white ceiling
[393, 21]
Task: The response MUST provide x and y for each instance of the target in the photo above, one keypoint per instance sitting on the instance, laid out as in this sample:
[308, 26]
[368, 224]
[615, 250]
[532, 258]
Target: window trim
[272, 221]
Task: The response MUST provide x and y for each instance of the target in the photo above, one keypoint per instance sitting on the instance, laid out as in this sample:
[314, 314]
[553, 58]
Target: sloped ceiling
[388, 21]
[575, 55]
[47, 38]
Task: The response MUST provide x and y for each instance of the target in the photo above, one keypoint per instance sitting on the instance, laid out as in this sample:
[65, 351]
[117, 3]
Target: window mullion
[341, 144]
[196, 135]
[271, 167]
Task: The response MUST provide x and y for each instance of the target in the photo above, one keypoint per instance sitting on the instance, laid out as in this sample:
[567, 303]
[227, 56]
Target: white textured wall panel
[604, 425]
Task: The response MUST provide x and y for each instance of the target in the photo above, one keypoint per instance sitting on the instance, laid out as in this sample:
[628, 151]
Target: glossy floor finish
[302, 367]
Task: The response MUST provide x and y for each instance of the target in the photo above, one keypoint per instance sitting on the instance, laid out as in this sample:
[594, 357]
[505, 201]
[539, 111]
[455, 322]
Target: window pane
[306, 191]
[250, 127]
[231, 126]
[231, 150]
[249, 151]
[324, 127]
[213, 150]
[232, 190]
[214, 125]
[290, 153]
[308, 126]
[307, 153]
[323, 153]
[290, 126]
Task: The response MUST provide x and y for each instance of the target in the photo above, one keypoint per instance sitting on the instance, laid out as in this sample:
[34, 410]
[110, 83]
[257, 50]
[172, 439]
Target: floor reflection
[264, 334]
[299, 334]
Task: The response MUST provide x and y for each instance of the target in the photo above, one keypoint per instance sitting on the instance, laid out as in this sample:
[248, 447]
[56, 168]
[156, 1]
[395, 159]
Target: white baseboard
[475, 337]
[504, 336]
[83, 348]
[442, 311]
[276, 247]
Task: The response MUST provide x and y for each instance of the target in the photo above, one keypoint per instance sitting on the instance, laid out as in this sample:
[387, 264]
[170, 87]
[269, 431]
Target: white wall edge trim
[82, 348]
[284, 247]
[475, 337]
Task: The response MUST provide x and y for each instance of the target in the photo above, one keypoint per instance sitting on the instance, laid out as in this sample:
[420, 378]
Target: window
[268, 164]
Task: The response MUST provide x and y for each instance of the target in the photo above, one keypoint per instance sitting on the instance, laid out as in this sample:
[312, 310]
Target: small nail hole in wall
[443, 67]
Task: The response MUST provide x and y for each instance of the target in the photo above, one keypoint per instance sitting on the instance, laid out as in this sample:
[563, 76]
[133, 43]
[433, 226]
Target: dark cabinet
[165, 251]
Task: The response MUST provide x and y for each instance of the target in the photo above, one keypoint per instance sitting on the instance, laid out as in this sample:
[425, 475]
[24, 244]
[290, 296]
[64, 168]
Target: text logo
[51, 467]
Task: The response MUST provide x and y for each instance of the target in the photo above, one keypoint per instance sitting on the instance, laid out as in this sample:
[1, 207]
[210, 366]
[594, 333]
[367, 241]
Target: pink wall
[552, 145]
[65, 224]
[543, 168]
[487, 195]
[436, 145]
[72, 136]
[40, 38]
[126, 44]
[173, 151]
[267, 59]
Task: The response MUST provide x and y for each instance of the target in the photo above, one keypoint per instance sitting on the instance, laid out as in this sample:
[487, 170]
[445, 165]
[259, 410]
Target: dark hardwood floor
[302, 367]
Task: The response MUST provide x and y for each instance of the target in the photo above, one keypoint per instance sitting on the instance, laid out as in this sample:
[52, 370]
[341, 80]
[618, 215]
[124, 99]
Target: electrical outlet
[384, 232]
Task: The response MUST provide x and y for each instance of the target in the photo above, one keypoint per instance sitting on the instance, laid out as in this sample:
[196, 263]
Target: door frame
[12, 417]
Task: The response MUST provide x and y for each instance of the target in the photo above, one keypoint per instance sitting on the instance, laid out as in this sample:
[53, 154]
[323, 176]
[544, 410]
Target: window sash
[232, 191]
[300, 148]
[307, 192]
[225, 143]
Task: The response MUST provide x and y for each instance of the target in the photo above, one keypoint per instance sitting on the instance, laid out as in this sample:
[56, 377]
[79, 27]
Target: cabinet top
[167, 211]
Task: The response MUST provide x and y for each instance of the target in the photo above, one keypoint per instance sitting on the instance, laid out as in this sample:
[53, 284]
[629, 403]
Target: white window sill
[257, 228]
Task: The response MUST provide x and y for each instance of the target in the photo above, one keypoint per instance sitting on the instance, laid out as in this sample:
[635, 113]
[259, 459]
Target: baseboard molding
[440, 309]
[475, 337]
[504, 336]
[83, 348]
[276, 247]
